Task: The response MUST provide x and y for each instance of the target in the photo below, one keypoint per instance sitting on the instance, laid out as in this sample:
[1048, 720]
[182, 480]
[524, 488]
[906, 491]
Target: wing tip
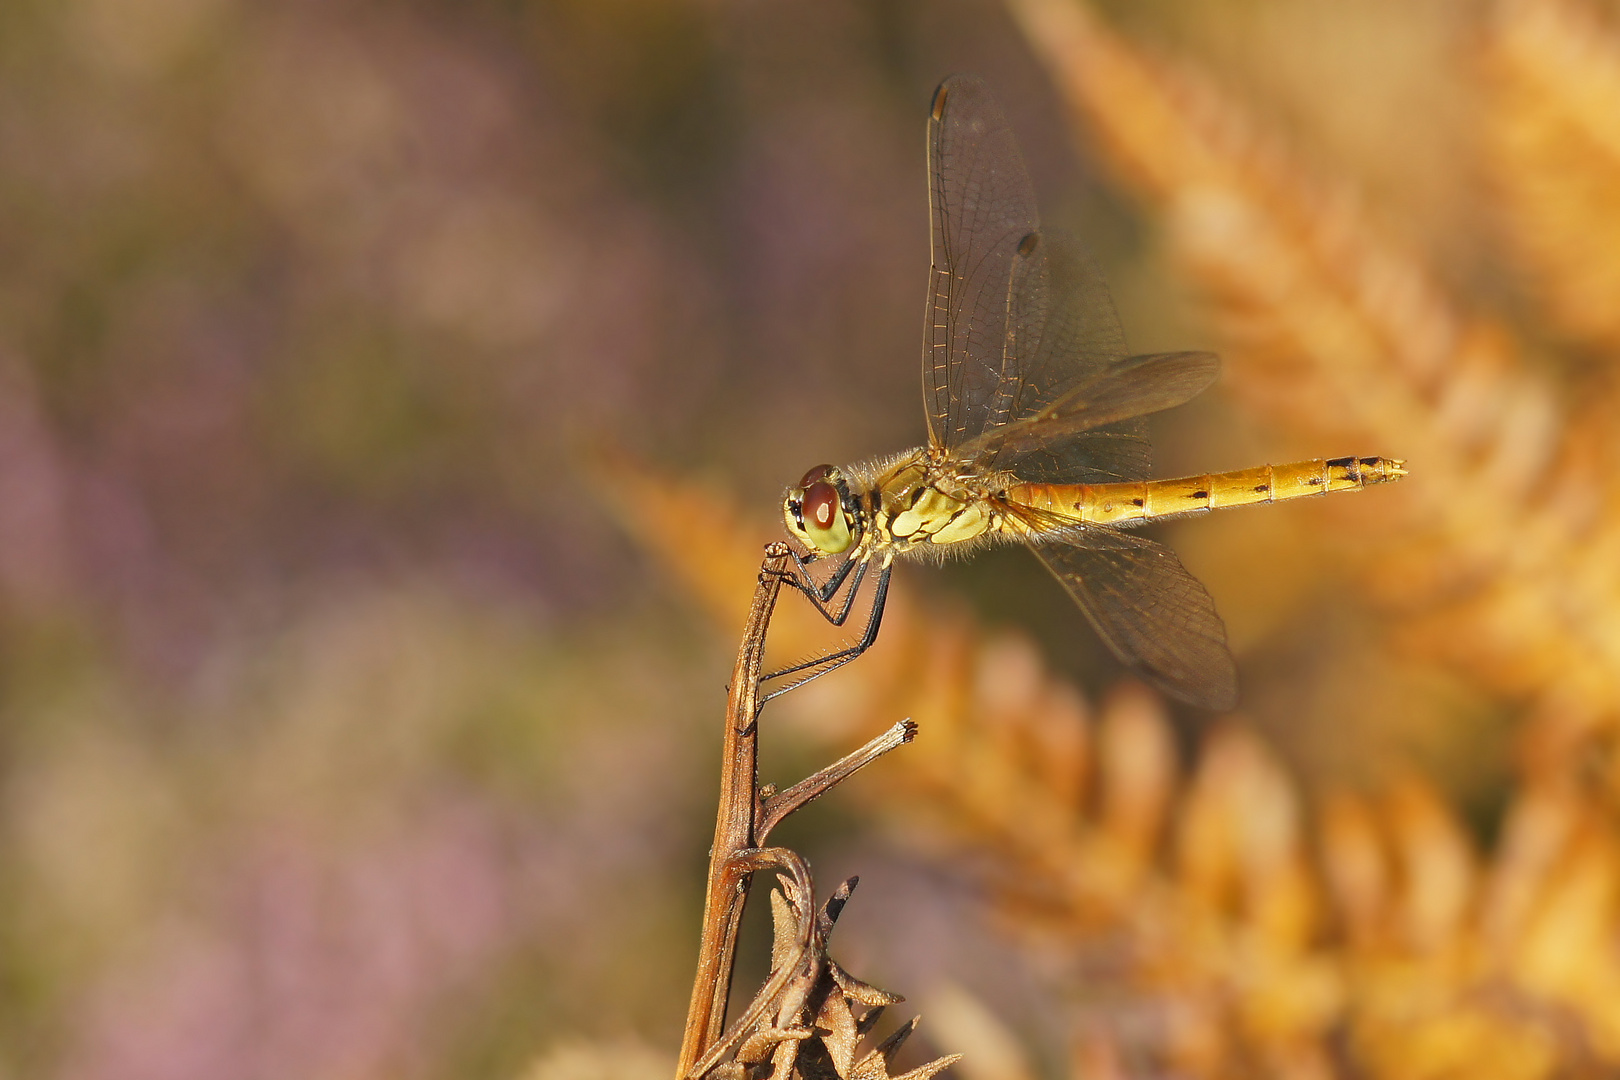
[1216, 693]
[956, 84]
[1220, 699]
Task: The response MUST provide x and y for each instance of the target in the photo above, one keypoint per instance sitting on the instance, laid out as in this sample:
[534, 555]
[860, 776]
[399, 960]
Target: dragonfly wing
[982, 206]
[1023, 350]
[1111, 454]
[1154, 615]
[1126, 389]
[1063, 330]
[1095, 433]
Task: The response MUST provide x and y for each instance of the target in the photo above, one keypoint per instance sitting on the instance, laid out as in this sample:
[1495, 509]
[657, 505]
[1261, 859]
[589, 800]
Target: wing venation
[1154, 615]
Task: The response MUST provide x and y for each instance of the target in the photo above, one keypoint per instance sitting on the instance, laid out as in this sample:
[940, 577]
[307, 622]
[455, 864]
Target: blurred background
[345, 731]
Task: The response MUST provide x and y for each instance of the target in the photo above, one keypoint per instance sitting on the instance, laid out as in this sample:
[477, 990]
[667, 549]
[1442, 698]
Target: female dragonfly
[1036, 433]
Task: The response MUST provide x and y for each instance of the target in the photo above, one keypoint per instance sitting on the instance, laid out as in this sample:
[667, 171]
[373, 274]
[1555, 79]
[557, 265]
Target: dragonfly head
[819, 512]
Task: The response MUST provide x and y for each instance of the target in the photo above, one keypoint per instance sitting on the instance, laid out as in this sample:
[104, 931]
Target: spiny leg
[821, 595]
[834, 660]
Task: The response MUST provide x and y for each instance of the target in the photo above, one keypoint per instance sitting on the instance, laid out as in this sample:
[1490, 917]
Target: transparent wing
[1123, 390]
[1068, 373]
[1111, 454]
[1062, 332]
[981, 205]
[1023, 350]
[1063, 329]
[1154, 615]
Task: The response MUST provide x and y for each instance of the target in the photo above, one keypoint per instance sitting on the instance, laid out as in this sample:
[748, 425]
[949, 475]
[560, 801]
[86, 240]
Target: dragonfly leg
[820, 595]
[820, 665]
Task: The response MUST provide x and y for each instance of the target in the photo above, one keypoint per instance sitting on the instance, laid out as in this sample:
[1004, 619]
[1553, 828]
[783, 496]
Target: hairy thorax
[918, 506]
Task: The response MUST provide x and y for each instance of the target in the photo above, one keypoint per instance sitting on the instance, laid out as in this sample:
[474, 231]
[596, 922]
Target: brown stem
[746, 815]
[780, 805]
[804, 902]
[734, 826]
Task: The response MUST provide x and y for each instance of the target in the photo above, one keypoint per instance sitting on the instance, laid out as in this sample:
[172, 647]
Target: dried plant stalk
[809, 1018]
[734, 832]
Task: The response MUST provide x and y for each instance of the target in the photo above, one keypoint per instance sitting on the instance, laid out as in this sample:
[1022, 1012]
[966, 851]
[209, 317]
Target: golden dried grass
[1551, 134]
[1505, 569]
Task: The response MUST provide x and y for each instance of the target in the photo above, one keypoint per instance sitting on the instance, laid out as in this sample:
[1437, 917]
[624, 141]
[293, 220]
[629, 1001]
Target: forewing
[1064, 374]
[1094, 433]
[1129, 388]
[1112, 454]
[1024, 352]
[1063, 331]
[1154, 615]
[981, 205]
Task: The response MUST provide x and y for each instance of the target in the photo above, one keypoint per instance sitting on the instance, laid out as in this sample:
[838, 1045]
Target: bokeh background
[350, 728]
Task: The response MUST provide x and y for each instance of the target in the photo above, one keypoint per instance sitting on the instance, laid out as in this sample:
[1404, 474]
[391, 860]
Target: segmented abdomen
[1144, 499]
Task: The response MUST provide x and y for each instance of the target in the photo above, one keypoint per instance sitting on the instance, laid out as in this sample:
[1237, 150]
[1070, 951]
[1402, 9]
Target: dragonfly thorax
[920, 506]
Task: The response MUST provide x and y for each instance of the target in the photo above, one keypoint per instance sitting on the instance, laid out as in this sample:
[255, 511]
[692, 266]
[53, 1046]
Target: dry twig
[810, 1016]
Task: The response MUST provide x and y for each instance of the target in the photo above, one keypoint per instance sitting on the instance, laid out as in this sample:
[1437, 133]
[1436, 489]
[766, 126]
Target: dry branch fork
[803, 977]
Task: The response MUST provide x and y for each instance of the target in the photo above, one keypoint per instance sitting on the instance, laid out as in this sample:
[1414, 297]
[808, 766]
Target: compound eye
[820, 505]
[820, 472]
[824, 526]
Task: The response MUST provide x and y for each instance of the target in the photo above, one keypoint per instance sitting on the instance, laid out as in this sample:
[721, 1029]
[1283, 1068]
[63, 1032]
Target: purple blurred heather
[340, 733]
[35, 573]
[313, 961]
[338, 278]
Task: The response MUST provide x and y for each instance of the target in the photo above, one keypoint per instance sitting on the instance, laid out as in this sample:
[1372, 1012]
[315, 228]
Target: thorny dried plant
[1330, 327]
[1213, 922]
[810, 1017]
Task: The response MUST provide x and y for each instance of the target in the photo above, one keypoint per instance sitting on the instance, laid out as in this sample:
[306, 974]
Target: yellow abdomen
[1141, 500]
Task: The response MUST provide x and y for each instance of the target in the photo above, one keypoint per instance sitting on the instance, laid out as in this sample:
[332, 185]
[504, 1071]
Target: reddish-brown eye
[820, 504]
[820, 472]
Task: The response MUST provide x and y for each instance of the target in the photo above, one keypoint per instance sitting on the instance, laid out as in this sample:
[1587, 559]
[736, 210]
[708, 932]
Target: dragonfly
[1036, 414]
